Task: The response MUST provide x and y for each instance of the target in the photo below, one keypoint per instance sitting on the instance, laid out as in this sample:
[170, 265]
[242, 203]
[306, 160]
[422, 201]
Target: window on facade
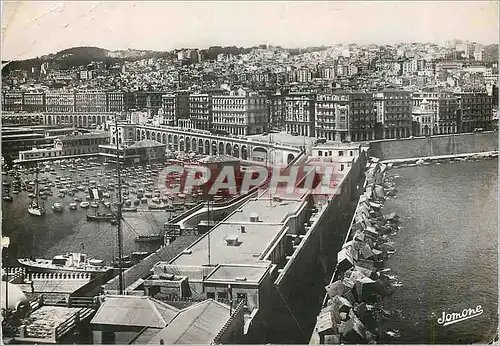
[320, 153]
[341, 168]
[222, 295]
[210, 295]
[341, 153]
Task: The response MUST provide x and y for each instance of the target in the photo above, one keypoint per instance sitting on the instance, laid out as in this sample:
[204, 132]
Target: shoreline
[414, 161]
[351, 309]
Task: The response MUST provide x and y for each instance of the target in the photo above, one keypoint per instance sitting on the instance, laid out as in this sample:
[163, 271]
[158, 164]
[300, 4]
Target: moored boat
[157, 206]
[72, 262]
[57, 206]
[84, 204]
[73, 206]
[149, 238]
[100, 217]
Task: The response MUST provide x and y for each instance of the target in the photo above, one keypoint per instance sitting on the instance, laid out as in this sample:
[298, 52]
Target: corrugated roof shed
[198, 324]
[141, 270]
[140, 311]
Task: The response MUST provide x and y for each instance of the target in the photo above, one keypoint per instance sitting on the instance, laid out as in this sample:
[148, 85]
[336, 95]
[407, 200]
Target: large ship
[71, 262]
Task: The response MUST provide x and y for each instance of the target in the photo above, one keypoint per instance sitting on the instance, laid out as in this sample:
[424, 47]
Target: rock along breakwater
[351, 312]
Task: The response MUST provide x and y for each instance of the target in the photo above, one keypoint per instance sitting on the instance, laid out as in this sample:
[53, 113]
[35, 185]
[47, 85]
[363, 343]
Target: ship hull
[40, 268]
[35, 211]
[99, 219]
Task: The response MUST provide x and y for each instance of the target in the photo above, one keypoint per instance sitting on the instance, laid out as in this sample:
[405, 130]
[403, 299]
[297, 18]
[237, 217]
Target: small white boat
[107, 204]
[73, 206]
[84, 204]
[181, 195]
[57, 207]
[94, 205]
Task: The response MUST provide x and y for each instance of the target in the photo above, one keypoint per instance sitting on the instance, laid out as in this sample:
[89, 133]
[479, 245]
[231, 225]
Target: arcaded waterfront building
[59, 102]
[12, 101]
[116, 101]
[90, 101]
[240, 114]
[34, 102]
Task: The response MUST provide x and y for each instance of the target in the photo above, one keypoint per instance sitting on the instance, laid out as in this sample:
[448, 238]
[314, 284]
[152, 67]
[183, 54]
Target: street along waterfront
[447, 253]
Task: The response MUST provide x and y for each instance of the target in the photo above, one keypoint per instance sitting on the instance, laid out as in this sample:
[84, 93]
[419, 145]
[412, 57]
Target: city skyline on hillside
[168, 26]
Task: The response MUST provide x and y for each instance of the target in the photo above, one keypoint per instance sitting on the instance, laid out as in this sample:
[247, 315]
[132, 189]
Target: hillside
[78, 56]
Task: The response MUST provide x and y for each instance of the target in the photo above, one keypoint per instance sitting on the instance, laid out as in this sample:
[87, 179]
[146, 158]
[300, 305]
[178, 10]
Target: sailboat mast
[119, 210]
[37, 194]
[208, 235]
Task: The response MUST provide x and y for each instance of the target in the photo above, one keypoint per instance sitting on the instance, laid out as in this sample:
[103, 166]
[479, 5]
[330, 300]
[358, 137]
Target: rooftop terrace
[262, 221]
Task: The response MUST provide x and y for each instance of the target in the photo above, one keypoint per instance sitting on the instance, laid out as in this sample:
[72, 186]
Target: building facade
[393, 109]
[239, 114]
[60, 102]
[475, 111]
[200, 112]
[299, 114]
[90, 101]
[424, 120]
[34, 102]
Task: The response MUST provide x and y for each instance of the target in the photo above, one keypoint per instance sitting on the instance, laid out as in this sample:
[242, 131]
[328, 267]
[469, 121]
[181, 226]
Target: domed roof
[15, 296]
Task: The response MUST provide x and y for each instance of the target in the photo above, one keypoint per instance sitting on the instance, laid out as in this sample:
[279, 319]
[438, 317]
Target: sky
[35, 28]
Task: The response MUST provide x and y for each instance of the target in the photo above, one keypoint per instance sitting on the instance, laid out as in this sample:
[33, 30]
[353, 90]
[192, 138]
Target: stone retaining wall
[434, 146]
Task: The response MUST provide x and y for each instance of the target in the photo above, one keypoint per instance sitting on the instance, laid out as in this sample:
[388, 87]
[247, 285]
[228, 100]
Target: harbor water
[58, 233]
[447, 253]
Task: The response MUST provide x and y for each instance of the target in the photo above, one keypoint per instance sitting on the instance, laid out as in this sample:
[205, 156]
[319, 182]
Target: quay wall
[462, 143]
[299, 287]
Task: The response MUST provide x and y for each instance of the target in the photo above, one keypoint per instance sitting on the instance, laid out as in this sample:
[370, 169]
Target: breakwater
[454, 144]
[350, 311]
[415, 161]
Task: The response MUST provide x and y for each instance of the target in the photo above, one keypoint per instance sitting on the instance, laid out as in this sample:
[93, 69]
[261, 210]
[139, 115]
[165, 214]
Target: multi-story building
[332, 117]
[424, 119]
[60, 102]
[175, 106]
[303, 75]
[167, 111]
[362, 116]
[240, 114]
[200, 112]
[394, 112]
[299, 114]
[444, 106]
[12, 101]
[115, 101]
[277, 106]
[154, 101]
[326, 72]
[475, 111]
[90, 101]
[34, 102]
